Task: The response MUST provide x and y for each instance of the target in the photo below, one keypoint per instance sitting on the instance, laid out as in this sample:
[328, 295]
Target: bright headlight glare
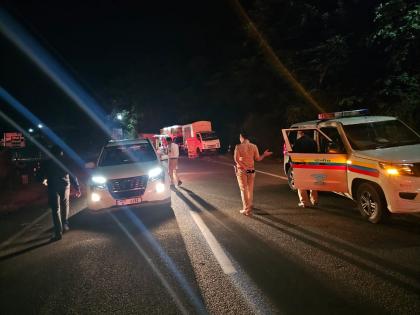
[160, 187]
[155, 172]
[98, 179]
[398, 169]
[392, 171]
[95, 197]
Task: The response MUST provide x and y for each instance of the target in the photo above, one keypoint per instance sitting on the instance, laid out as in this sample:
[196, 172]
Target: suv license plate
[125, 202]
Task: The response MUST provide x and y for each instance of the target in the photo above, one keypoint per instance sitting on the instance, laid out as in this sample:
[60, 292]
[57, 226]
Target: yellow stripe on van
[320, 159]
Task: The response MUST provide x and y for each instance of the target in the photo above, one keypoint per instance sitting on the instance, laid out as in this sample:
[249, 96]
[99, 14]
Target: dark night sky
[103, 41]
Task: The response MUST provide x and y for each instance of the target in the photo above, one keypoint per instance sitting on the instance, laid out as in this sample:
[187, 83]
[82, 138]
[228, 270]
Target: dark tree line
[347, 54]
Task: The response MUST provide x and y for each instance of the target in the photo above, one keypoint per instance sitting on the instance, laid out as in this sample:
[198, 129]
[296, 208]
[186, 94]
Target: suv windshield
[208, 136]
[381, 134]
[125, 154]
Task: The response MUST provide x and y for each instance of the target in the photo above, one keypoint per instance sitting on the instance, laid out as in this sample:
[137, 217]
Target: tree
[397, 36]
[348, 54]
[126, 120]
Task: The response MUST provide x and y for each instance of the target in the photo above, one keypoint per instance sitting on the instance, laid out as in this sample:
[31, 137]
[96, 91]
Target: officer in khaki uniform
[245, 155]
[173, 155]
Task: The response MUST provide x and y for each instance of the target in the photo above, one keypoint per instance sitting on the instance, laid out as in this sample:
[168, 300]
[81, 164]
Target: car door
[322, 170]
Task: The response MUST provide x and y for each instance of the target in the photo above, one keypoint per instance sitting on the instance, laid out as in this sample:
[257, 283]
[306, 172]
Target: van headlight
[398, 169]
[99, 181]
[155, 173]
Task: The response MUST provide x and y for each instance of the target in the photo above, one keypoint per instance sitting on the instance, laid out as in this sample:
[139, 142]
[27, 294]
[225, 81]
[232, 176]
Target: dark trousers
[59, 201]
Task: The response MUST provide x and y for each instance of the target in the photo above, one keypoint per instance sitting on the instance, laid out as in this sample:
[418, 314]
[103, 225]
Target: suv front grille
[131, 187]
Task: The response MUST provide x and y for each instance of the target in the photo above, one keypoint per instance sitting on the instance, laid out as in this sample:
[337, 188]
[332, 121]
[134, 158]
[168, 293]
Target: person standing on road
[244, 156]
[57, 178]
[305, 144]
[173, 155]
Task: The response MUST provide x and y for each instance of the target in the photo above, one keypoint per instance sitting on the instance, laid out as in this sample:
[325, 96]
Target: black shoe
[179, 183]
[56, 238]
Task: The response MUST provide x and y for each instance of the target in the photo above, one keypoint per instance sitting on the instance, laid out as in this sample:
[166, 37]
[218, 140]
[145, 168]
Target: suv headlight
[99, 181]
[398, 169]
[155, 173]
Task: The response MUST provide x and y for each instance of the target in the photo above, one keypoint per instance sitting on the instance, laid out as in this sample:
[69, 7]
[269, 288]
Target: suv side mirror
[90, 165]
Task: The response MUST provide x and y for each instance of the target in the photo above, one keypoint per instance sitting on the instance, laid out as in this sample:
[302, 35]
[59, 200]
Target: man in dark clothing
[306, 144]
[58, 179]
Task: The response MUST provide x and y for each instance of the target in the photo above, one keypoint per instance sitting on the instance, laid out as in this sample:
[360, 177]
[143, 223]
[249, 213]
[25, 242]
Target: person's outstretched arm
[259, 157]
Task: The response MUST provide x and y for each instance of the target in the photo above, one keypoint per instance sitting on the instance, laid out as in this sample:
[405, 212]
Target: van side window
[337, 146]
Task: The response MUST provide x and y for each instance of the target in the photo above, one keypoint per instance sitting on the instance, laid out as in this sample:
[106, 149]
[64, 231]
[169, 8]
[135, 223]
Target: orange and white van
[200, 138]
[374, 160]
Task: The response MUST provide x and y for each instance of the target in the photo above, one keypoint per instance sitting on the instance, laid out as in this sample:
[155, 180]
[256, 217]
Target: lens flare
[34, 51]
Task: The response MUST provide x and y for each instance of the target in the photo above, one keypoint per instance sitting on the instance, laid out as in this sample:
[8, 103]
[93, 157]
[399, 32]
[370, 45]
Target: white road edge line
[262, 172]
[21, 232]
[215, 247]
[270, 174]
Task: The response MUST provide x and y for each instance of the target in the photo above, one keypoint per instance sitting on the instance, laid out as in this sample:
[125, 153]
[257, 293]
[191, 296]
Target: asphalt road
[203, 256]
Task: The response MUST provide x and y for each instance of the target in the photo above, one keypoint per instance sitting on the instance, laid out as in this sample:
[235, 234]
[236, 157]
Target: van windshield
[208, 136]
[380, 134]
[125, 154]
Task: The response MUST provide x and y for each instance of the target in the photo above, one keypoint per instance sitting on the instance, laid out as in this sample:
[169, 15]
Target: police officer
[305, 144]
[58, 179]
[244, 156]
[173, 155]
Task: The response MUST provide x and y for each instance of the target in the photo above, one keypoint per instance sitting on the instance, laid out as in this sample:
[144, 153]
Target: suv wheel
[371, 202]
[290, 179]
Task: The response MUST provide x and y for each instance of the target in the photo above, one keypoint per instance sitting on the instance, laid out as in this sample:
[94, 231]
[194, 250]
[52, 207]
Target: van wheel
[290, 179]
[371, 202]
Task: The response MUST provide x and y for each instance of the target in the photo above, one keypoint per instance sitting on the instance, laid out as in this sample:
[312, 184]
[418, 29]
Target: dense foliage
[346, 54]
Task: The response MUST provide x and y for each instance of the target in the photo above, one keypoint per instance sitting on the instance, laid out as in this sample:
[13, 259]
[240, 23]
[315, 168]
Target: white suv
[128, 172]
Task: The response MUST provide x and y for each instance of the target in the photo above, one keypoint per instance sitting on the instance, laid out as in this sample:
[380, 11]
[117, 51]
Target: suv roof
[345, 120]
[114, 143]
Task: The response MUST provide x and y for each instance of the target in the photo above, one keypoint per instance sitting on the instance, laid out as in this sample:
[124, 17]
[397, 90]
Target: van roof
[114, 143]
[345, 121]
